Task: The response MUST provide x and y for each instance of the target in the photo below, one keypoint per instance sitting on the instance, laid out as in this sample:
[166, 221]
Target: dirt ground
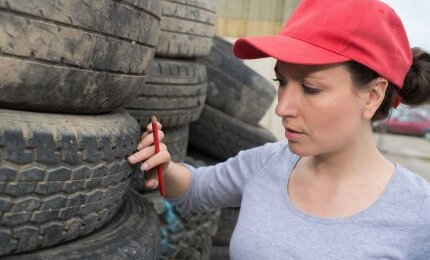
[411, 152]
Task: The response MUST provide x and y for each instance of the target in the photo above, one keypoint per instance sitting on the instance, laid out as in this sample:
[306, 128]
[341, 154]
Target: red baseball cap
[326, 31]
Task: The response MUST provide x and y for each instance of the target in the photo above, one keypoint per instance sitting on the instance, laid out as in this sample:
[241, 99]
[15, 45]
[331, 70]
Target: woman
[328, 193]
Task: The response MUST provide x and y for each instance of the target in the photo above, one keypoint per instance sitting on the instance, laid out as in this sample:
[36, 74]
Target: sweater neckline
[362, 213]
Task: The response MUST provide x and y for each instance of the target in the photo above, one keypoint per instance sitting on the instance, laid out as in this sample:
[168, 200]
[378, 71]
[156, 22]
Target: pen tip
[154, 119]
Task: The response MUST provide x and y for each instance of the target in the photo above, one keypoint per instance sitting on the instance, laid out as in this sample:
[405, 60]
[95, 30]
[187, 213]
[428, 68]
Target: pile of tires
[79, 81]
[175, 92]
[237, 99]
[66, 70]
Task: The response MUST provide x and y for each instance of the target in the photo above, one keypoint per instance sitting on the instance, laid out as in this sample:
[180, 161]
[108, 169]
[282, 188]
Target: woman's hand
[146, 154]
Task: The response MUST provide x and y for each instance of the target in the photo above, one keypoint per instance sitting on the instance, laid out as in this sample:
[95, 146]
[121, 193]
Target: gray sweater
[396, 226]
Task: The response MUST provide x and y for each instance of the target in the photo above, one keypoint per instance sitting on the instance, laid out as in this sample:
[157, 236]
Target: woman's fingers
[151, 180]
[150, 160]
[141, 155]
[149, 126]
[161, 158]
[146, 154]
[151, 184]
[148, 133]
[149, 166]
[147, 138]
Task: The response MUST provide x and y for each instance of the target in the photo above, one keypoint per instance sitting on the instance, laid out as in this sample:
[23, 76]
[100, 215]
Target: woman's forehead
[302, 70]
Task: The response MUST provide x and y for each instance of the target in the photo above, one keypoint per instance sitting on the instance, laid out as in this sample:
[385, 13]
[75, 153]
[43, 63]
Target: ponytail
[416, 87]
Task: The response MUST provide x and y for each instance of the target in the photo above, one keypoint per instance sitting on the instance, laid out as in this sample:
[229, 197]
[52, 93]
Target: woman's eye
[280, 82]
[309, 90]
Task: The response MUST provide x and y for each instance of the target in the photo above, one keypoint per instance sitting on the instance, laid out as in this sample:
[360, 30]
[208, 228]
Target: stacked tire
[66, 69]
[175, 92]
[236, 101]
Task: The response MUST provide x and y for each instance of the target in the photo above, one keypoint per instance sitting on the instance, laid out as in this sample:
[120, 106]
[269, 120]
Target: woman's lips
[291, 134]
[292, 130]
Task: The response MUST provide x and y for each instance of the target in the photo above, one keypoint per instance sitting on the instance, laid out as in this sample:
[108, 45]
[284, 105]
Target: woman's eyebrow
[298, 75]
[313, 76]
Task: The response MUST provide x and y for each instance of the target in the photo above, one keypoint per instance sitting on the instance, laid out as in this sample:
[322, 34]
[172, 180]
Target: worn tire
[233, 87]
[186, 28]
[227, 224]
[75, 56]
[220, 253]
[176, 140]
[185, 236]
[133, 233]
[61, 176]
[228, 218]
[198, 158]
[223, 136]
[175, 92]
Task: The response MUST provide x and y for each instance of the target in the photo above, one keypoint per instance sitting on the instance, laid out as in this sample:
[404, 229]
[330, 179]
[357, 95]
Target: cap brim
[286, 49]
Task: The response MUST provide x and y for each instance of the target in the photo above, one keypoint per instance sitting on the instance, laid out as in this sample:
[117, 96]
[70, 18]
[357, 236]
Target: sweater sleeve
[420, 242]
[221, 185]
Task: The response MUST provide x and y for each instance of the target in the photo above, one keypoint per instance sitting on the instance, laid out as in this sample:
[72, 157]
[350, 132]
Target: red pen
[157, 150]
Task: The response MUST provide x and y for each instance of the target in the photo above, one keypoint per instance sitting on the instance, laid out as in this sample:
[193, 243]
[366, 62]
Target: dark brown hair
[416, 87]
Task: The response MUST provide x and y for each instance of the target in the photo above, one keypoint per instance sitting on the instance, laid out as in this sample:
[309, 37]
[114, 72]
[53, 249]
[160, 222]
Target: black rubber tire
[133, 233]
[187, 235]
[221, 240]
[227, 224]
[220, 253]
[75, 56]
[61, 176]
[198, 158]
[187, 28]
[228, 218]
[223, 136]
[176, 140]
[184, 235]
[175, 92]
[233, 87]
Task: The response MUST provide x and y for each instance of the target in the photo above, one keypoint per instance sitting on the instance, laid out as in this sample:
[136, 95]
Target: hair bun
[416, 87]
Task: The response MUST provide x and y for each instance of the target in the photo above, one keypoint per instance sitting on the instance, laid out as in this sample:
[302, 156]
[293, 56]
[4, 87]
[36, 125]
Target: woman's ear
[376, 94]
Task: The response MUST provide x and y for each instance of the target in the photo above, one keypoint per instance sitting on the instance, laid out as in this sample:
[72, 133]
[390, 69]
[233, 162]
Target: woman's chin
[299, 149]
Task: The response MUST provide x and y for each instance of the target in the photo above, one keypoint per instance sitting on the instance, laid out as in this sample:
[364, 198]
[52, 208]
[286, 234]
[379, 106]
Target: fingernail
[144, 166]
[131, 158]
[139, 147]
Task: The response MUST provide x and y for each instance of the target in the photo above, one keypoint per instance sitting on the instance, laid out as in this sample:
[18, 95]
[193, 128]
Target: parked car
[407, 121]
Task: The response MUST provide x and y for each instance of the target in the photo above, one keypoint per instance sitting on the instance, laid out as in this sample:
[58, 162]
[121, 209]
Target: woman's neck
[340, 184]
[358, 158]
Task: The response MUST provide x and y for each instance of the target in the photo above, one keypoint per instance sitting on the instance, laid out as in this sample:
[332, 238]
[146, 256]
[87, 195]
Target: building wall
[238, 18]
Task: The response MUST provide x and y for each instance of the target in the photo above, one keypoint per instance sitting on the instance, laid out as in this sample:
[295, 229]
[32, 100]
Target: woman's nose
[288, 101]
